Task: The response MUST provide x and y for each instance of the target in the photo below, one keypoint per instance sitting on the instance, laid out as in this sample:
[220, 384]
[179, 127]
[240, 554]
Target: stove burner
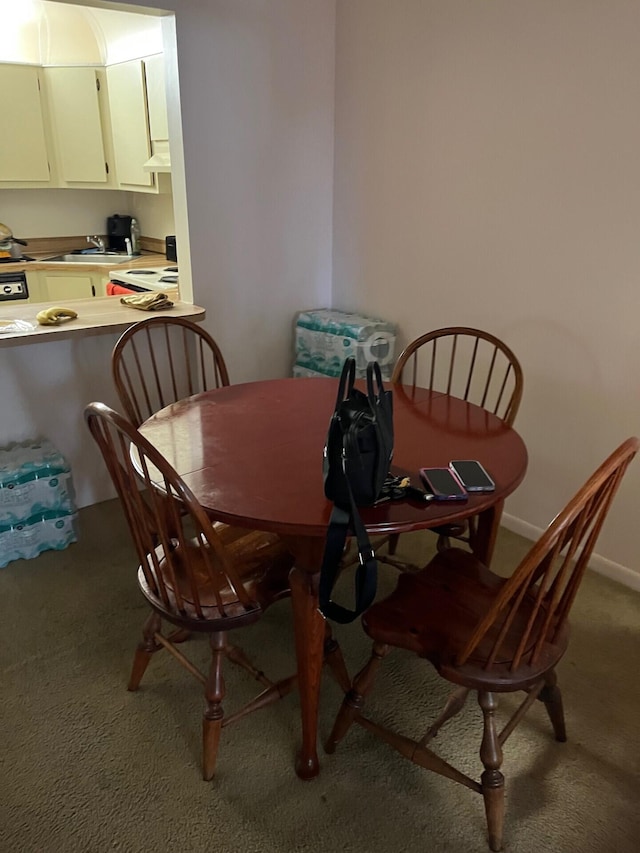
[170, 279]
[141, 272]
[171, 269]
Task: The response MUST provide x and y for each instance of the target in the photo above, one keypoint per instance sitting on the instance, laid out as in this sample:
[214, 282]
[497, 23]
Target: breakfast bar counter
[98, 315]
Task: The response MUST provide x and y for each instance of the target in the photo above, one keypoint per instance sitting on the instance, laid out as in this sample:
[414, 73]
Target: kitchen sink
[91, 258]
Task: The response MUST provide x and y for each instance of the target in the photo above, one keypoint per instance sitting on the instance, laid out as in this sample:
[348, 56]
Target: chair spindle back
[161, 360]
[533, 606]
[185, 564]
[466, 363]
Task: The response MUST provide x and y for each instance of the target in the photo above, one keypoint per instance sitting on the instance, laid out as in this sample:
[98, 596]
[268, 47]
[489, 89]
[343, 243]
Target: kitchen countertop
[140, 262]
[98, 315]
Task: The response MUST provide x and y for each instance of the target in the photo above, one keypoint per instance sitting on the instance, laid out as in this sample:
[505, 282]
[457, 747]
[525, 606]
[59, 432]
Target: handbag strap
[373, 368]
[347, 378]
[366, 576]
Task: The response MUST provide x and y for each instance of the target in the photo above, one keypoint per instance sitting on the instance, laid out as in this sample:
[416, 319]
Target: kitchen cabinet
[24, 156]
[53, 287]
[130, 124]
[78, 107]
[85, 127]
[160, 161]
[156, 97]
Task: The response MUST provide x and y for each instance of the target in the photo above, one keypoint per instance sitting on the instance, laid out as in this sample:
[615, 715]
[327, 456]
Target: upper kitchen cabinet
[160, 160]
[24, 159]
[156, 97]
[85, 92]
[130, 124]
[80, 120]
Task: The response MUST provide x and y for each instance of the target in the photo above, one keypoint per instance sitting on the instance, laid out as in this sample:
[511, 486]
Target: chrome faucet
[97, 241]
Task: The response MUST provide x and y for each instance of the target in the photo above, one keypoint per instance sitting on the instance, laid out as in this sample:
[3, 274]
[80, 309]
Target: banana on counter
[55, 315]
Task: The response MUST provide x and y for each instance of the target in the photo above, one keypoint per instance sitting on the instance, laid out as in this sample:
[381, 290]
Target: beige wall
[257, 94]
[154, 213]
[487, 172]
[65, 212]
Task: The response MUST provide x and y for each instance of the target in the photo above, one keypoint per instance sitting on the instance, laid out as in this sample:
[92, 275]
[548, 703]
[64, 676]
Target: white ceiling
[42, 32]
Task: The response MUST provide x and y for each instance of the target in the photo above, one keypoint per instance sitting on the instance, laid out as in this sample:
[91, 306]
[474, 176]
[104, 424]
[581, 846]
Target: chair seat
[260, 561]
[435, 611]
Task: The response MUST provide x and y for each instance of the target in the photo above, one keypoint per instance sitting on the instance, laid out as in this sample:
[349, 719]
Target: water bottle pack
[324, 338]
[37, 503]
[44, 531]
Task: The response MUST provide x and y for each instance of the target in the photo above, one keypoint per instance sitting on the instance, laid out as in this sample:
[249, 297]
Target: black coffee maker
[118, 232]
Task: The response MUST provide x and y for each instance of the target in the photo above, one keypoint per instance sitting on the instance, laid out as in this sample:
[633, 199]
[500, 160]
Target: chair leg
[353, 702]
[334, 659]
[213, 714]
[552, 698]
[443, 543]
[179, 636]
[492, 779]
[393, 543]
[472, 534]
[455, 703]
[146, 648]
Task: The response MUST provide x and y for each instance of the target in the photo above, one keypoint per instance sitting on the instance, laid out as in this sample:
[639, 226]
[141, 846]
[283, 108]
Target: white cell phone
[472, 475]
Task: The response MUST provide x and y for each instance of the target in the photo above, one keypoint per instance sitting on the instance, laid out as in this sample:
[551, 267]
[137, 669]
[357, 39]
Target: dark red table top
[252, 453]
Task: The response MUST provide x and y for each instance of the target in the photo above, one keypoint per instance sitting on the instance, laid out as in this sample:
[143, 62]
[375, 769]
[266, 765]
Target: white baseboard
[522, 528]
[615, 571]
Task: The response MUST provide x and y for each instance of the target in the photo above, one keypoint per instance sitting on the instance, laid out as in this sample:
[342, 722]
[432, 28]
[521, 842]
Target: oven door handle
[124, 287]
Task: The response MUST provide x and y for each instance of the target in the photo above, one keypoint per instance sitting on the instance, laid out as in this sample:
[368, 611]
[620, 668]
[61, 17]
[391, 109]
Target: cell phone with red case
[443, 484]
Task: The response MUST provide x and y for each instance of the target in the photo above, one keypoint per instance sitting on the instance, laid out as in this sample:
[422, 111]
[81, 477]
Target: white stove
[147, 278]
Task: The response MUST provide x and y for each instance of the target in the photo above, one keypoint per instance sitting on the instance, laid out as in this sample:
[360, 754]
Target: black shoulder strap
[366, 573]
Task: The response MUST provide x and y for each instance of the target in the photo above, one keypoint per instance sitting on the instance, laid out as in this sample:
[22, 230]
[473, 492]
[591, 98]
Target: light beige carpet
[87, 766]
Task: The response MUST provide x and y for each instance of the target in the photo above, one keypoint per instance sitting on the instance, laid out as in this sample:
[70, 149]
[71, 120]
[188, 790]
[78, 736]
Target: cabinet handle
[93, 290]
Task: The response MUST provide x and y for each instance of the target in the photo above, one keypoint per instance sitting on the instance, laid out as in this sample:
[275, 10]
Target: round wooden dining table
[252, 455]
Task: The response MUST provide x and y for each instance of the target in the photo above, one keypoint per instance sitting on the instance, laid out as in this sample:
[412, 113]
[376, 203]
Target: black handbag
[356, 462]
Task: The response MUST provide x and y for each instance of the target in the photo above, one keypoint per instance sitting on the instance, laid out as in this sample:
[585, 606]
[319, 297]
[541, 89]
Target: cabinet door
[23, 148]
[60, 286]
[35, 285]
[156, 97]
[75, 110]
[129, 123]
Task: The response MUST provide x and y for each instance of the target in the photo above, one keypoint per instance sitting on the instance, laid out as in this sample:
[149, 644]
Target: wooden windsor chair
[473, 365]
[161, 360]
[490, 634]
[194, 574]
